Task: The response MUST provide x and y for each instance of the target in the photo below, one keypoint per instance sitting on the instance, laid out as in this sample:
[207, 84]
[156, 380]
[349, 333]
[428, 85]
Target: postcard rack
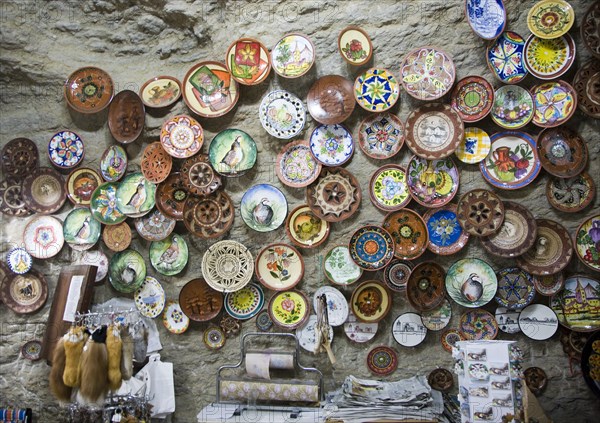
[136, 408]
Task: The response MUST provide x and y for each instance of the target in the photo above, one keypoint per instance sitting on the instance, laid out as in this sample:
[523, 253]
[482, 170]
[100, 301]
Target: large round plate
[293, 56]
[307, 334]
[43, 237]
[514, 107]
[446, 235]
[425, 286]
[576, 305]
[171, 195]
[337, 305]
[586, 83]
[89, 90]
[587, 242]
[296, 166]
[563, 153]
[248, 61]
[263, 208]
[358, 331]
[289, 309]
[552, 251]
[19, 157]
[331, 100]
[516, 289]
[508, 320]
[474, 146]
[199, 302]
[135, 195]
[174, 319]
[160, 91]
[245, 303]
[126, 117]
[80, 230]
[81, 183]
[409, 233]
[26, 293]
[127, 271]
[408, 330]
[439, 317]
[339, 267]
[208, 89]
[382, 360]
[388, 188]
[590, 363]
[282, 114]
[170, 255]
[181, 136]
[505, 58]
[331, 145]
[355, 46]
[471, 282]
[396, 274]
[549, 59]
[381, 135]
[433, 131]
[427, 73]
[209, 217]
[232, 152]
[155, 226]
[432, 183]
[113, 163]
[279, 267]
[156, 163]
[538, 322]
[550, 19]
[11, 199]
[472, 98]
[44, 190]
[590, 29]
[376, 90]
[478, 324]
[550, 284]
[104, 204]
[480, 212]
[335, 195]
[150, 298]
[227, 266]
[371, 247]
[516, 234]
[487, 19]
[305, 229]
[555, 103]
[65, 150]
[370, 302]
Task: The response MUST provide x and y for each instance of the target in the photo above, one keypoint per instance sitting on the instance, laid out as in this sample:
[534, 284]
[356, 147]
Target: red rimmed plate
[382, 360]
[446, 235]
[305, 229]
[160, 91]
[370, 302]
[425, 289]
[296, 166]
[550, 284]
[563, 153]
[549, 59]
[279, 267]
[427, 73]
[355, 46]
[300, 60]
[449, 339]
[555, 103]
[409, 233]
[209, 90]
[472, 98]
[552, 251]
[26, 293]
[89, 90]
[289, 309]
[381, 135]
[248, 61]
[388, 188]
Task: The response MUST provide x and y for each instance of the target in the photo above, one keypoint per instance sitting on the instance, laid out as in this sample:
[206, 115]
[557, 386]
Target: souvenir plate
[538, 322]
[229, 325]
[279, 267]
[371, 247]
[155, 226]
[171, 195]
[439, 317]
[80, 230]
[113, 163]
[289, 309]
[209, 217]
[549, 59]
[19, 157]
[89, 90]
[209, 90]
[555, 103]
[432, 183]
[376, 90]
[563, 153]
[263, 208]
[307, 334]
[337, 305]
[181, 136]
[425, 287]
[293, 56]
[150, 298]
[433, 131]
[396, 274]
[409, 233]
[478, 324]
[331, 100]
[169, 256]
[408, 330]
[487, 19]
[305, 229]
[43, 237]
[536, 380]
[263, 321]
[44, 190]
[590, 363]
[331, 145]
[370, 302]
[26, 293]
[127, 271]
[245, 303]
[516, 289]
[474, 146]
[11, 199]
[514, 107]
[358, 331]
[550, 284]
[156, 163]
[480, 212]
[388, 188]
[200, 302]
[471, 282]
[214, 337]
[440, 380]
[135, 195]
[339, 267]
[65, 150]
[508, 320]
[446, 235]
[81, 183]
[296, 166]
[516, 235]
[160, 91]
[232, 152]
[550, 19]
[576, 305]
[95, 258]
[248, 61]
[449, 339]
[382, 360]
[513, 161]
[227, 266]
[586, 83]
[381, 135]
[19, 261]
[126, 117]
[282, 114]
[472, 98]
[590, 28]
[551, 252]
[505, 58]
[174, 319]
[587, 243]
[335, 195]
[427, 73]
[355, 46]
[117, 237]
[31, 350]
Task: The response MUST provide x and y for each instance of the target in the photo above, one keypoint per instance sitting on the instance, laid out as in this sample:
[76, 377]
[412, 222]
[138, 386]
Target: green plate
[104, 204]
[135, 195]
[127, 271]
[170, 255]
[232, 152]
[471, 282]
[80, 229]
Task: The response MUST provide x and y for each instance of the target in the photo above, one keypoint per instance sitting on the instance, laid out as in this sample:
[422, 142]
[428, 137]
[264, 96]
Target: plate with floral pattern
[514, 107]
[474, 146]
[245, 303]
[388, 188]
[552, 251]
[487, 19]
[427, 73]
[355, 46]
[80, 229]
[289, 309]
[432, 183]
[331, 145]
[370, 302]
[155, 226]
[65, 150]
[174, 319]
[505, 58]
[478, 325]
[181, 136]
[43, 237]
[381, 135]
[113, 163]
[471, 282]
[550, 18]
[371, 247]
[549, 59]
[104, 205]
[282, 114]
[81, 184]
[555, 103]
[339, 267]
[472, 98]
[150, 298]
[293, 55]
[563, 153]
[446, 235]
[409, 232]
[337, 305]
[571, 195]
[376, 90]
[248, 61]
[587, 243]
[279, 267]
[296, 166]
[516, 289]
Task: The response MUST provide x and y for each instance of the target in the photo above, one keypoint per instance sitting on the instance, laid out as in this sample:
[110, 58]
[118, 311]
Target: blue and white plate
[65, 150]
[150, 298]
[506, 58]
[19, 260]
[332, 145]
[282, 114]
[487, 18]
[516, 288]
[263, 208]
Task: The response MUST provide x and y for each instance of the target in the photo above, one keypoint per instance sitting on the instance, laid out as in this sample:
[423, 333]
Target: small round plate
[263, 208]
[127, 271]
[227, 266]
[409, 233]
[232, 152]
[408, 330]
[181, 136]
[32, 350]
[26, 293]
[89, 90]
[19, 261]
[307, 334]
[550, 284]
[515, 236]
[376, 90]
[552, 251]
[446, 235]
[81, 183]
[169, 256]
[508, 320]
[154, 226]
[117, 237]
[126, 117]
[516, 289]
[471, 282]
[282, 114]
[19, 157]
[514, 107]
[382, 360]
[355, 46]
[425, 287]
[305, 229]
[95, 258]
[80, 230]
[65, 150]
[263, 321]
[43, 237]
[214, 337]
[150, 298]
[474, 146]
[331, 145]
[171, 195]
[12, 202]
[586, 83]
[335, 196]
[432, 183]
[289, 309]
[248, 61]
[229, 325]
[590, 28]
[331, 100]
[505, 58]
[174, 319]
[44, 190]
[440, 380]
[576, 304]
[549, 59]
[434, 63]
[279, 267]
[480, 212]
[199, 301]
[439, 317]
[245, 303]
[472, 98]
[396, 274]
[381, 135]
[555, 103]
[370, 302]
[293, 55]
[388, 188]
[513, 161]
[296, 166]
[337, 305]
[339, 267]
[156, 163]
[487, 20]
[371, 247]
[113, 163]
[550, 19]
[135, 195]
[587, 242]
[449, 338]
[538, 322]
[562, 151]
[536, 380]
[209, 90]
[209, 217]
[478, 324]
[160, 91]
[358, 331]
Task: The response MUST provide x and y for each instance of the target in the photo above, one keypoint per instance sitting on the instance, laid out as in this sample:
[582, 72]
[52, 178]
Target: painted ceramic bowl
[516, 234]
[590, 25]
[282, 114]
[127, 271]
[439, 317]
[396, 274]
[335, 195]
[432, 183]
[408, 330]
[434, 63]
[370, 302]
[19, 261]
[480, 212]
[477, 325]
[135, 195]
[538, 322]
[170, 255]
[472, 98]
[331, 145]
[126, 117]
[13, 203]
[388, 189]
[43, 237]
[587, 243]
[81, 184]
[154, 226]
[376, 90]
[550, 284]
[210, 216]
[263, 208]
[305, 229]
[425, 288]
[586, 83]
[549, 59]
[181, 136]
[409, 233]
[232, 152]
[575, 304]
[296, 166]
[339, 267]
[555, 103]
[279, 267]
[516, 289]
[474, 146]
[248, 61]
[209, 90]
[514, 107]
[26, 293]
[487, 19]
[19, 156]
[44, 190]
[381, 135]
[174, 319]
[371, 247]
[80, 230]
[65, 150]
[552, 251]
[289, 309]
[171, 195]
[199, 302]
[355, 46]
[446, 235]
[227, 266]
[150, 298]
[382, 360]
[156, 163]
[337, 305]
[89, 90]
[471, 282]
[331, 100]
[505, 58]
[563, 153]
[104, 205]
[293, 55]
[113, 163]
[550, 19]
[245, 303]
[160, 91]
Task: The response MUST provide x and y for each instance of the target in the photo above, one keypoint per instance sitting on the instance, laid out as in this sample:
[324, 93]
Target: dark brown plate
[19, 157]
[156, 163]
[562, 152]
[552, 251]
[209, 217]
[89, 90]
[480, 212]
[331, 99]
[126, 117]
[571, 195]
[590, 29]
[516, 235]
[26, 293]
[199, 301]
[536, 380]
[171, 195]
[11, 199]
[335, 195]
[587, 85]
[44, 190]
[198, 175]
[425, 288]
[441, 380]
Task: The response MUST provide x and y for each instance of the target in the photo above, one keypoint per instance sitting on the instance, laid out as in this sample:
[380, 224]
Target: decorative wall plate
[95, 258]
[263, 321]
[245, 303]
[536, 380]
[370, 302]
[227, 266]
[408, 330]
[117, 237]
[232, 152]
[550, 284]
[181, 136]
[396, 274]
[432, 183]
[307, 335]
[449, 339]
[198, 176]
[471, 282]
[305, 229]
[19, 261]
[551, 252]
[89, 90]
[434, 63]
[214, 337]
[474, 146]
[513, 161]
[538, 322]
[44, 190]
[381, 135]
[279, 267]
[516, 289]
[229, 325]
[555, 103]
[169, 256]
[590, 363]
[576, 305]
[371, 247]
[160, 91]
[590, 28]
[487, 19]
[550, 19]
[331, 100]
[376, 90]
[549, 59]
[127, 271]
[355, 46]
[19, 157]
[472, 98]
[263, 208]
[446, 235]
[174, 319]
[388, 188]
[335, 195]
[200, 302]
[31, 350]
[43, 237]
[337, 305]
[26, 293]
[81, 183]
[382, 360]
[80, 230]
[358, 331]
[480, 212]
[409, 233]
[171, 196]
[516, 235]
[563, 153]
[126, 117]
[248, 61]
[296, 166]
[441, 379]
[155, 226]
[514, 107]
[156, 163]
[439, 317]
[282, 114]
[331, 145]
[289, 309]
[113, 163]
[425, 286]
[65, 150]
[586, 83]
[150, 298]
[505, 58]
[339, 267]
[293, 55]
[135, 195]
[508, 320]
[11, 199]
[587, 242]
[209, 90]
[478, 324]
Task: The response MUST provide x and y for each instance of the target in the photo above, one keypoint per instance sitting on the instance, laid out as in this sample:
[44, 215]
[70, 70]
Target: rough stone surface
[43, 42]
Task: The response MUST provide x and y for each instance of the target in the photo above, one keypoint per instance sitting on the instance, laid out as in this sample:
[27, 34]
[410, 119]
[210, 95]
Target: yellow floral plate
[549, 59]
[550, 19]
[289, 309]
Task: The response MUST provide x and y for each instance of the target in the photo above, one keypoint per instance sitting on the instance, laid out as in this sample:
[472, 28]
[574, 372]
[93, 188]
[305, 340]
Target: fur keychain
[140, 342]
[61, 391]
[114, 349]
[73, 345]
[94, 369]
[126, 354]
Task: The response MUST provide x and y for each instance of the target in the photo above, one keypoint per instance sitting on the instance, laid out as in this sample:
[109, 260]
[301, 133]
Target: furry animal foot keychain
[114, 348]
[73, 345]
[94, 369]
[61, 391]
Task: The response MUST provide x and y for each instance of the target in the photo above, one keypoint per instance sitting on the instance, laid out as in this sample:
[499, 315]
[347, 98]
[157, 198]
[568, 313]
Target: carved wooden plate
[19, 157]
[199, 301]
[480, 212]
[209, 217]
[156, 163]
[198, 175]
[587, 85]
[590, 29]
[335, 195]
[126, 117]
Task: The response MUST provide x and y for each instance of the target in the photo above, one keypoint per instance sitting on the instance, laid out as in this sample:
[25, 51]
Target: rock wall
[43, 42]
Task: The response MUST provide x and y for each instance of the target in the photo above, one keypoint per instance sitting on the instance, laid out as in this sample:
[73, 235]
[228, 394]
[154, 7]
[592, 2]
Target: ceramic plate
[425, 286]
[214, 337]
[127, 271]
[538, 322]
[371, 247]
[439, 317]
[305, 229]
[432, 183]
[31, 350]
[113, 163]
[587, 243]
[370, 302]
[331, 145]
[245, 303]
[381, 135]
[355, 46]
[409, 233]
[516, 289]
[555, 103]
[513, 108]
[89, 90]
[293, 56]
[181, 136]
[331, 100]
[576, 305]
[248, 61]
[135, 195]
[590, 28]
[227, 266]
[232, 152]
[209, 217]
[81, 183]
[263, 321]
[550, 284]
[480, 212]
[551, 252]
[150, 298]
[585, 83]
[174, 319]
[487, 19]
[477, 325]
[388, 188]
[427, 73]
[335, 195]
[549, 59]
[296, 166]
[513, 161]
[382, 360]
[279, 267]
[282, 114]
[12, 202]
[508, 320]
[337, 305]
[471, 282]
[590, 363]
[199, 177]
[169, 256]
[289, 309]
[505, 58]
[516, 235]
[446, 235]
[171, 195]
[396, 274]
[80, 230]
[263, 208]
[19, 261]
[95, 258]
[339, 267]
[376, 90]
[408, 330]
[200, 302]
[563, 153]
[472, 98]
[449, 339]
[358, 331]
[155, 226]
[307, 335]
[156, 163]
[19, 157]
[43, 237]
[65, 150]
[44, 190]
[550, 18]
[209, 90]
[160, 91]
[126, 117]
[474, 146]
[26, 293]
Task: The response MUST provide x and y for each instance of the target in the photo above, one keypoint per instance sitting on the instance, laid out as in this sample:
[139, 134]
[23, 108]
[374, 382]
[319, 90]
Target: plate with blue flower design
[104, 204]
[516, 288]
[65, 150]
[332, 145]
[388, 188]
[371, 247]
[376, 90]
[506, 58]
[487, 19]
[381, 135]
[446, 235]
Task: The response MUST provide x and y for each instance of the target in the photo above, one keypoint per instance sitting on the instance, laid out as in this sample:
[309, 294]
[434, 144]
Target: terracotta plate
[408, 330]
[376, 90]
[382, 360]
[388, 188]
[586, 83]
[587, 242]
[80, 230]
[396, 274]
[516, 235]
[279, 267]
[156, 163]
[550, 284]
[381, 135]
[293, 55]
[552, 251]
[337, 305]
[370, 302]
[425, 288]
[43, 237]
[434, 63]
[263, 208]
[117, 237]
[282, 114]
[514, 107]
[81, 184]
[135, 195]
[538, 322]
[335, 195]
[89, 90]
[44, 190]
[550, 18]
[480, 212]
[245, 303]
[174, 319]
[150, 298]
[289, 309]
[355, 46]
[126, 117]
[331, 145]
[209, 217]
[331, 100]
[19, 157]
[409, 233]
[358, 331]
[26, 293]
[472, 98]
[575, 305]
[170, 255]
[248, 61]
[516, 289]
[155, 226]
[549, 59]
[113, 163]
[305, 229]
[505, 58]
[590, 28]
[449, 339]
[209, 90]
[339, 267]
[127, 271]
[371, 247]
[171, 195]
[227, 266]
[432, 183]
[12, 202]
[446, 235]
[232, 152]
[555, 103]
[199, 302]
[487, 20]
[474, 146]
[471, 282]
[478, 325]
[439, 317]
[296, 166]
[563, 153]
[160, 91]
[19, 261]
[65, 150]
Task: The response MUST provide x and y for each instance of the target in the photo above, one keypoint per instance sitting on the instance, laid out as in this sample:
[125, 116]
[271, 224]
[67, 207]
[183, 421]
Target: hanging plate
[381, 135]
[550, 284]
[472, 98]
[337, 305]
[358, 331]
[199, 301]
[355, 46]
[331, 145]
[127, 271]
[432, 183]
[289, 309]
[282, 114]
[586, 82]
[44, 190]
[43, 237]
[555, 103]
[174, 319]
[538, 322]
[550, 19]
[80, 230]
[382, 360]
[232, 152]
[549, 59]
[171, 195]
[587, 242]
[474, 146]
[160, 91]
[181, 136]
[214, 337]
[571, 195]
[438, 318]
[508, 320]
[245, 303]
[449, 339]
[371, 247]
[478, 324]
[480, 212]
[170, 255]
[376, 90]
[487, 19]
[126, 117]
[370, 302]
[227, 266]
[296, 166]
[436, 65]
[305, 229]
[590, 28]
[156, 163]
[335, 195]
[408, 330]
[150, 298]
[26, 293]
[263, 208]
[19, 157]
[396, 274]
[425, 287]
[339, 267]
[12, 202]
[552, 251]
[516, 235]
[446, 235]
[307, 335]
[65, 150]
[89, 90]
[471, 282]
[208, 217]
[409, 232]
[293, 55]
[135, 195]
[209, 90]
[113, 163]
[563, 153]
[155, 226]
[81, 184]
[388, 188]
[514, 107]
[505, 58]
[248, 61]
[576, 304]
[330, 99]
[516, 289]
[279, 267]
[19, 261]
